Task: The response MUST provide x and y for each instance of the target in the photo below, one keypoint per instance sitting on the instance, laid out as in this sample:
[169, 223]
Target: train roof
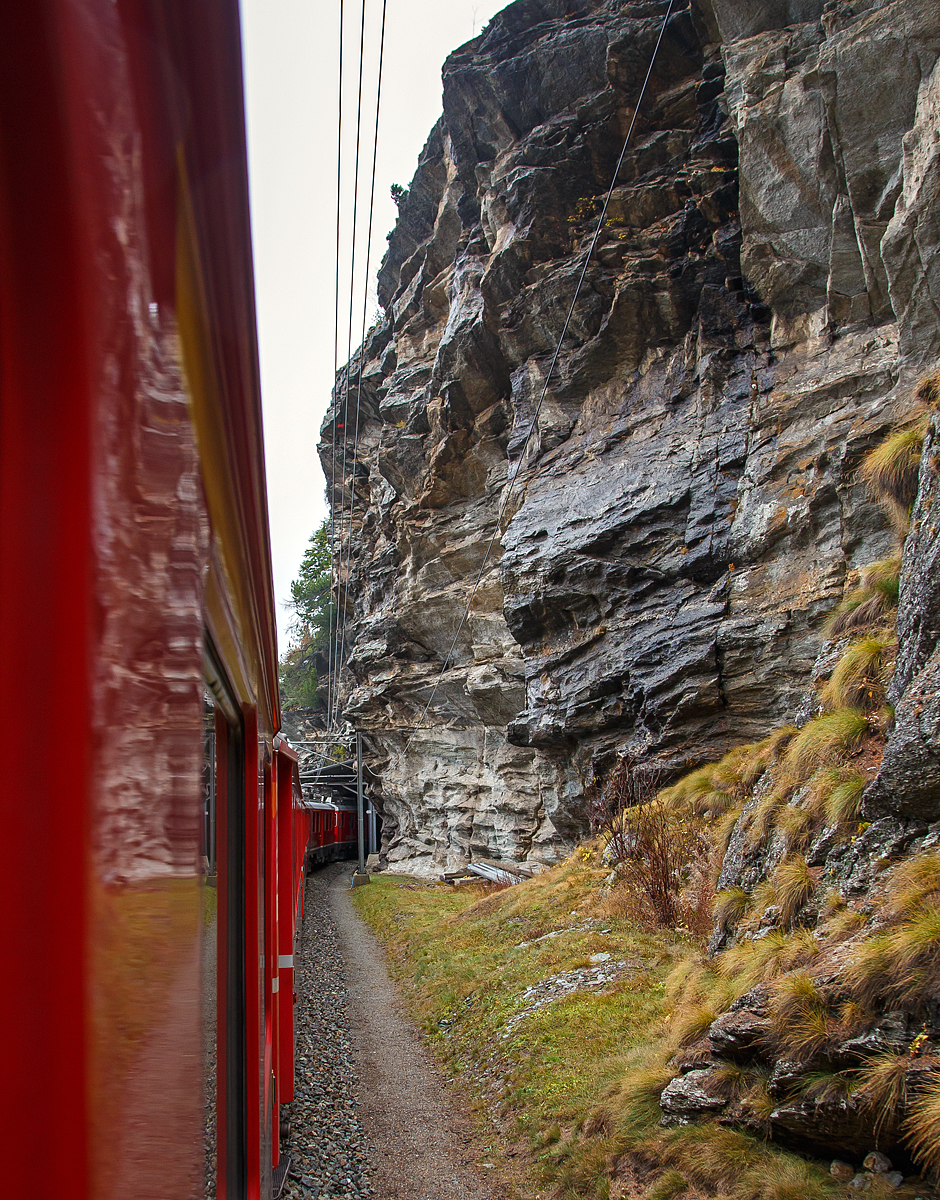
[195, 131]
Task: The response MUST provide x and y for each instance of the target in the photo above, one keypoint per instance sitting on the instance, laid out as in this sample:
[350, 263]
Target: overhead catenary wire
[514, 474]
[365, 304]
[334, 574]
[341, 590]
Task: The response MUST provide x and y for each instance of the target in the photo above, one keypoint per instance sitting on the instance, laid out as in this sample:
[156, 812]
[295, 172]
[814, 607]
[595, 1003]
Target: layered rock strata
[650, 567]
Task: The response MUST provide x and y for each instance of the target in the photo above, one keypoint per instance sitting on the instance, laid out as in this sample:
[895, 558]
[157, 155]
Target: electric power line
[334, 574]
[365, 302]
[342, 590]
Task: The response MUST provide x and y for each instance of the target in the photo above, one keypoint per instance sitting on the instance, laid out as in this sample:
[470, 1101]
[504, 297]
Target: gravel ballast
[329, 1152]
[372, 1116]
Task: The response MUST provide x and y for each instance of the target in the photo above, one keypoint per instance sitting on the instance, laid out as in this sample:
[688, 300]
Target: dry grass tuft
[694, 983]
[730, 906]
[890, 470]
[766, 815]
[752, 961]
[915, 944]
[668, 1186]
[883, 1087]
[685, 792]
[853, 1018]
[763, 898]
[928, 391]
[824, 740]
[867, 973]
[758, 1104]
[860, 676]
[844, 803]
[873, 602]
[765, 753]
[900, 965]
[798, 823]
[722, 830]
[733, 1166]
[794, 884]
[832, 902]
[800, 948]
[922, 1127]
[800, 1016]
[842, 925]
[632, 1104]
[718, 787]
[827, 1086]
[913, 884]
[762, 959]
[692, 1022]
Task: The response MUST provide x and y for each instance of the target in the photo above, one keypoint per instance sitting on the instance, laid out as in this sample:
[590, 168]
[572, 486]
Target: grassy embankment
[570, 1083]
[569, 1090]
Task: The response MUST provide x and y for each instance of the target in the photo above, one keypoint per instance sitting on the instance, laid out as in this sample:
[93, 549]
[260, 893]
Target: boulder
[689, 1095]
[739, 1035]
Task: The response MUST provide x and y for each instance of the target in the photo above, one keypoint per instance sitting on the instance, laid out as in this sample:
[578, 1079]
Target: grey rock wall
[762, 295]
[908, 782]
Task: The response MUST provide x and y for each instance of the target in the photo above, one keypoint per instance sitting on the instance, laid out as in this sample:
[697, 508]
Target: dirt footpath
[424, 1148]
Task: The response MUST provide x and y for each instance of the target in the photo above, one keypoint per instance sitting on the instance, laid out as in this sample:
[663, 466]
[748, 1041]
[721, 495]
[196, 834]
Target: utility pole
[360, 876]
[361, 812]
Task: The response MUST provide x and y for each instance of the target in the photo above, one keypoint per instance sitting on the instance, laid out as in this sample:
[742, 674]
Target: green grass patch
[572, 1086]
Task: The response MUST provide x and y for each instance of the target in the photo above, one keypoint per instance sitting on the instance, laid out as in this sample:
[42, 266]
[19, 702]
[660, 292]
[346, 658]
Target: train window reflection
[210, 943]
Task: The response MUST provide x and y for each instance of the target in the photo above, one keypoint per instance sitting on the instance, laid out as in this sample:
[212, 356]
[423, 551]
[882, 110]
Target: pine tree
[312, 604]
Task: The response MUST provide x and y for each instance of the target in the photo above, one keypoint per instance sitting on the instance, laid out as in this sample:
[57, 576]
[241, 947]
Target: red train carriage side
[152, 864]
[346, 835]
[333, 832]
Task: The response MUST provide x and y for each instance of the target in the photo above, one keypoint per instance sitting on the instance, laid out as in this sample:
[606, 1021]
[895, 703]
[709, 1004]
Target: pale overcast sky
[291, 54]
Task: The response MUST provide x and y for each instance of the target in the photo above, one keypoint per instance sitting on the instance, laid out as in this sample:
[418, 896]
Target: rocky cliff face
[652, 567]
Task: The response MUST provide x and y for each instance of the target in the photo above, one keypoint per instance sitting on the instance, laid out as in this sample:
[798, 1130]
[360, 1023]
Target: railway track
[372, 1116]
[329, 1152]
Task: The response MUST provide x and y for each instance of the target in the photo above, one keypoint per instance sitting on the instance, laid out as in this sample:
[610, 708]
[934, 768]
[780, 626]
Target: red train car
[152, 857]
[333, 832]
